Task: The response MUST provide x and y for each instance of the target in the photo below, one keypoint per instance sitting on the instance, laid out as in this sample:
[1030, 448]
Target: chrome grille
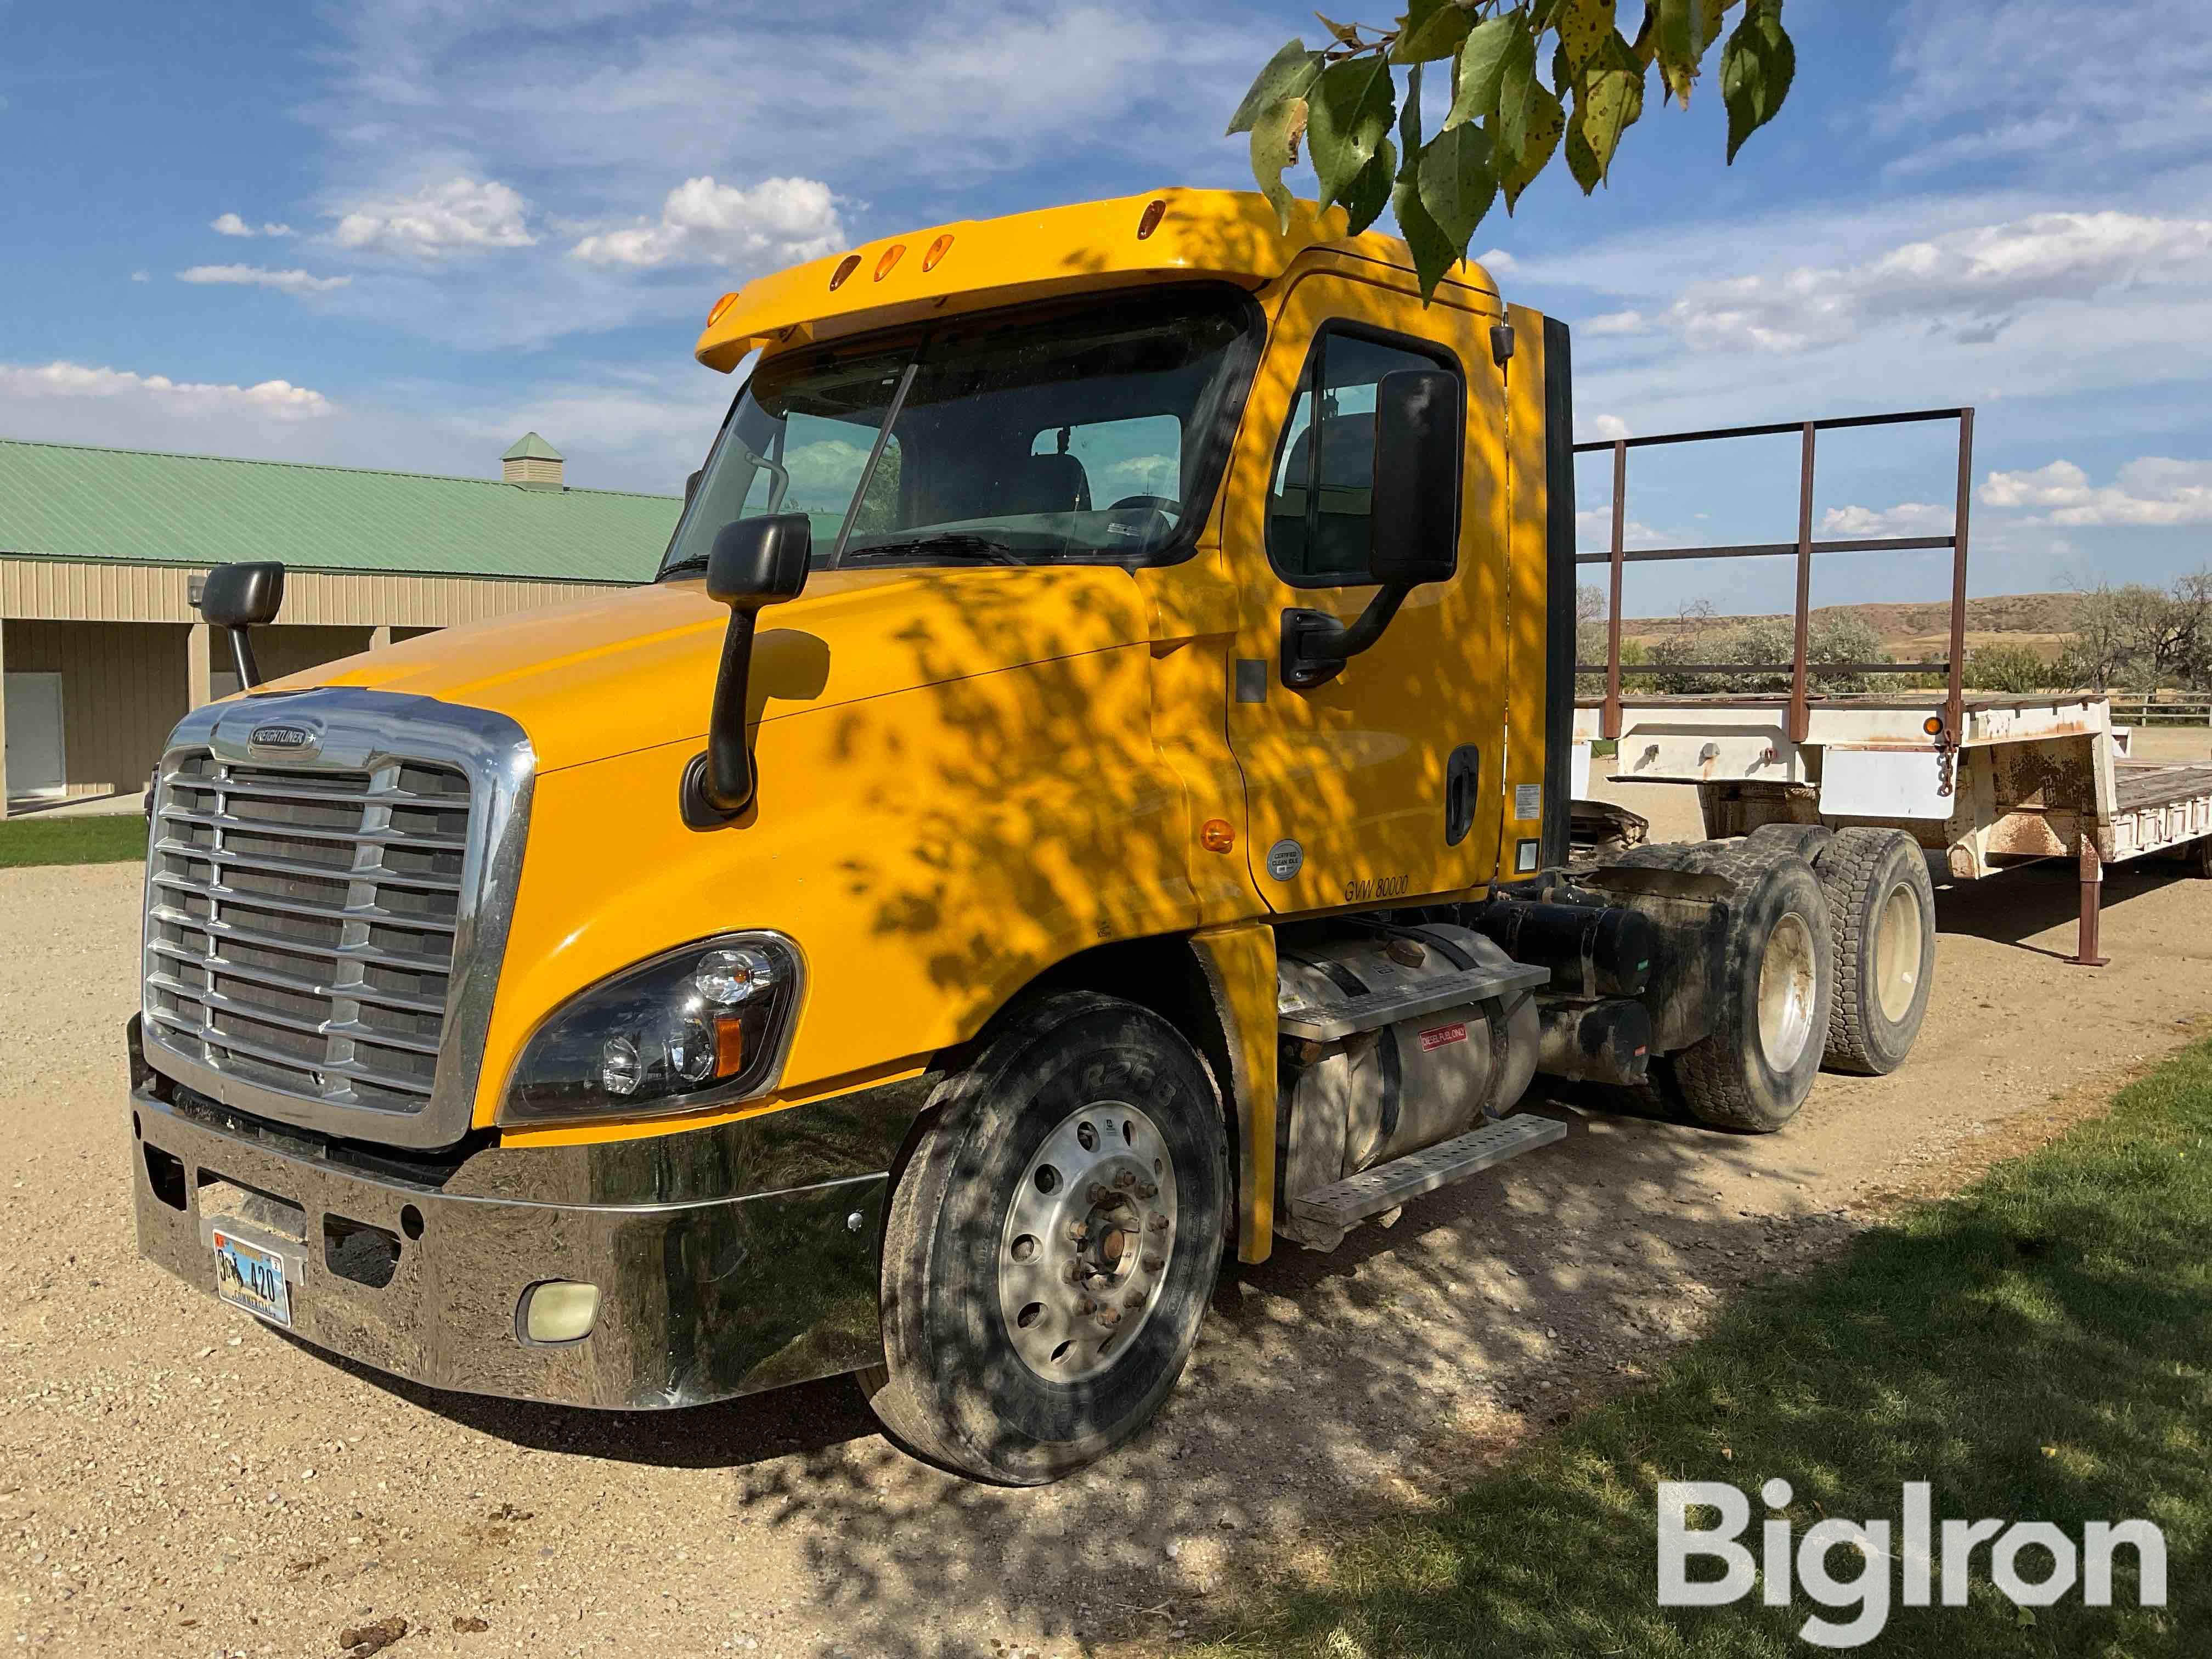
[301, 923]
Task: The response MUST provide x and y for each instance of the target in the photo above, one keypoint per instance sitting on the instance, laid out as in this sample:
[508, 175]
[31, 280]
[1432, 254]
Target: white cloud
[1594, 531]
[777, 222]
[2077, 88]
[1970, 284]
[1608, 428]
[66, 382]
[1615, 322]
[2156, 489]
[462, 214]
[141, 276]
[285, 281]
[229, 224]
[1498, 261]
[1905, 519]
[1141, 475]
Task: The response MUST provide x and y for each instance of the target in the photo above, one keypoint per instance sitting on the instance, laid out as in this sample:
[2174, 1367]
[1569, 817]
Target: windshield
[1038, 436]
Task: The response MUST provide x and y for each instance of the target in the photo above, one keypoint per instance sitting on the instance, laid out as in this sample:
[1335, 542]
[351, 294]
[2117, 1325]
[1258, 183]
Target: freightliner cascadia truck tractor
[1085, 796]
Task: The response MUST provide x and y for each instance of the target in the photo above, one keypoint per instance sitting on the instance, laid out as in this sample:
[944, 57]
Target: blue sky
[397, 235]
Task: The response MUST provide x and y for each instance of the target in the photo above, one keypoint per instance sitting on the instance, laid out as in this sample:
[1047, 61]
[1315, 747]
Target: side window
[1321, 501]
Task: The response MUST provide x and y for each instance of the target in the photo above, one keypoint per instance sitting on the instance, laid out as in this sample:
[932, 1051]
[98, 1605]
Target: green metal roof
[531, 447]
[135, 507]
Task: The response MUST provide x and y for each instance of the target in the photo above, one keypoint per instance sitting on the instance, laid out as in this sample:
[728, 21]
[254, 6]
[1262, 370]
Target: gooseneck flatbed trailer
[1090, 791]
[1981, 782]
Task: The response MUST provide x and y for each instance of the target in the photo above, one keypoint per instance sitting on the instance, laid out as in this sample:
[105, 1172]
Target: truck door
[1385, 781]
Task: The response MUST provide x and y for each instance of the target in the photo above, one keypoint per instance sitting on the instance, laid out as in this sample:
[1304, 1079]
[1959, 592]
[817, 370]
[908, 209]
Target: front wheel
[1051, 1245]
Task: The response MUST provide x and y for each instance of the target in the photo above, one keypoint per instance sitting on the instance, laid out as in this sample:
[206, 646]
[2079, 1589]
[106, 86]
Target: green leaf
[1583, 26]
[1433, 253]
[1606, 107]
[1430, 29]
[1677, 41]
[1482, 67]
[1516, 90]
[1541, 141]
[1289, 74]
[1370, 190]
[1458, 182]
[1354, 104]
[1581, 161]
[1274, 146]
[1409, 126]
[1757, 66]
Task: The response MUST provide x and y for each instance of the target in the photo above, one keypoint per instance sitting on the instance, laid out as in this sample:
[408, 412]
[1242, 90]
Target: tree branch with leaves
[1530, 80]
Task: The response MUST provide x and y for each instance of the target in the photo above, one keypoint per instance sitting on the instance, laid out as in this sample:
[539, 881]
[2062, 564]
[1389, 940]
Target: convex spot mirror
[756, 562]
[242, 595]
[1420, 440]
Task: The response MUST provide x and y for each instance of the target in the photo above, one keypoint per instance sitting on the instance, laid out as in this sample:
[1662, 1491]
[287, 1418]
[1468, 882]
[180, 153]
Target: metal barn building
[101, 651]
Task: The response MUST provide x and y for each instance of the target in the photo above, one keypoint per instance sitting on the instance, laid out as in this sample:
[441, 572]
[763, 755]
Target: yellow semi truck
[1086, 793]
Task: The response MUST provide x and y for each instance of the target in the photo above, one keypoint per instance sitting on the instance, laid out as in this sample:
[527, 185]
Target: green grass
[2039, 1347]
[104, 838]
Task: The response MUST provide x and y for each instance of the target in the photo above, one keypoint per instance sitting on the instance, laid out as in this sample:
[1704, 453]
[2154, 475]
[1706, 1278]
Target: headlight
[700, 1026]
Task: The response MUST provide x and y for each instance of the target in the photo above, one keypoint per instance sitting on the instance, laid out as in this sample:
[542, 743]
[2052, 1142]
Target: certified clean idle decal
[1286, 858]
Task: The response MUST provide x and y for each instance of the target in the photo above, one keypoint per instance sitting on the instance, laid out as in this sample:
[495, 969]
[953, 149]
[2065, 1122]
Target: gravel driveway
[176, 1480]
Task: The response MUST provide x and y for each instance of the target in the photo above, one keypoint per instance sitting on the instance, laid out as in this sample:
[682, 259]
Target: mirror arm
[1316, 647]
[719, 784]
[242, 655]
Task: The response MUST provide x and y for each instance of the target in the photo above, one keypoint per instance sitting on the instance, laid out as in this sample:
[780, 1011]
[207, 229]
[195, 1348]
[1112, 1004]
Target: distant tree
[2143, 638]
[1530, 80]
[2009, 668]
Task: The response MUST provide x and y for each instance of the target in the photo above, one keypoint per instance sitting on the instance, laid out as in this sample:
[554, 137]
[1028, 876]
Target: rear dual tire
[1882, 907]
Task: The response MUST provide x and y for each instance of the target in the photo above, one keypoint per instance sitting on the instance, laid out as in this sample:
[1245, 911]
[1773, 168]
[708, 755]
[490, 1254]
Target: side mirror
[237, 597]
[754, 562]
[1420, 440]
[691, 485]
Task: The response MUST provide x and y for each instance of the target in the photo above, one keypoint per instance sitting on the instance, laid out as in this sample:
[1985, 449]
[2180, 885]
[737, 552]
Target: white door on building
[33, 717]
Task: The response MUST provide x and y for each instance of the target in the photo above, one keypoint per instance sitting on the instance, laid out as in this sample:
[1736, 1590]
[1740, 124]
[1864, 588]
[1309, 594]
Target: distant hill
[2039, 622]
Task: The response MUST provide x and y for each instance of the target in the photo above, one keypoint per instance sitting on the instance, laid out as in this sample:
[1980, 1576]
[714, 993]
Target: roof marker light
[846, 267]
[938, 250]
[1154, 212]
[891, 257]
[720, 306]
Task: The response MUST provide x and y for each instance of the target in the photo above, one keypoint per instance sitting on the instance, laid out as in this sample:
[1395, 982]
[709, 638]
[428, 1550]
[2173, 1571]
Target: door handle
[1462, 778]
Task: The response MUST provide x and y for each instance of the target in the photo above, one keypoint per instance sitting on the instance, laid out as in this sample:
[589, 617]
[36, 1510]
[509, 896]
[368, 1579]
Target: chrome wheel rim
[1787, 992]
[1896, 940]
[1087, 1242]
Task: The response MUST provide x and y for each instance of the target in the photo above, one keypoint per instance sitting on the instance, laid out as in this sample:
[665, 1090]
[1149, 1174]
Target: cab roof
[1228, 235]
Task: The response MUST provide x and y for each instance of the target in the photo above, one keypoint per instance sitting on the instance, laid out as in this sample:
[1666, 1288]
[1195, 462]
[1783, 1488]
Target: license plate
[252, 1277]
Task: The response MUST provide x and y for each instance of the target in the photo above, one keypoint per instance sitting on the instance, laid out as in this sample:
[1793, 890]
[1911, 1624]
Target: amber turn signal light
[721, 304]
[938, 250]
[1215, 836]
[891, 257]
[1933, 726]
[846, 267]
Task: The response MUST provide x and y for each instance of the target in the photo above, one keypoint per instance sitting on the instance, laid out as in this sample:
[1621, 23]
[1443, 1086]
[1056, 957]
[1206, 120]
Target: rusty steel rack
[1802, 548]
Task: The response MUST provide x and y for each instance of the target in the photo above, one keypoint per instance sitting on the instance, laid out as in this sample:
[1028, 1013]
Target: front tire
[1051, 1245]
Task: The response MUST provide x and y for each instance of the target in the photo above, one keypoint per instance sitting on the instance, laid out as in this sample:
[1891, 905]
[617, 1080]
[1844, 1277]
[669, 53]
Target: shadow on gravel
[2013, 905]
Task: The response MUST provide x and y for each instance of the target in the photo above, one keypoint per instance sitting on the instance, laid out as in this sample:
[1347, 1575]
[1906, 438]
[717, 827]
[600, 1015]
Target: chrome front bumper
[707, 1289]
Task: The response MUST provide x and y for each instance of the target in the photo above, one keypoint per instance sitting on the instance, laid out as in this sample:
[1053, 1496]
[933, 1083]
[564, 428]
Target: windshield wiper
[959, 544]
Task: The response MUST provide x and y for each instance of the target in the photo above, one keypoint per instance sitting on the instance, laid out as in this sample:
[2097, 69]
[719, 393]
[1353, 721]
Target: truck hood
[635, 668]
